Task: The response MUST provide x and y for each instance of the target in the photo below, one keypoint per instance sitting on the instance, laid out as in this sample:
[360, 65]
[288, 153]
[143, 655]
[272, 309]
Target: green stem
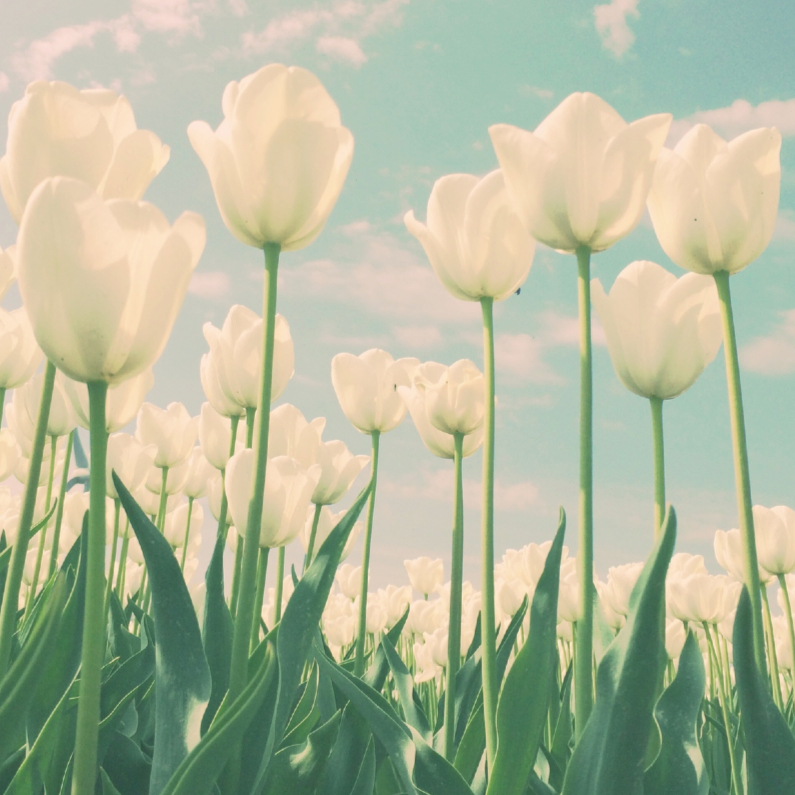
[248, 570]
[85, 758]
[2, 401]
[222, 513]
[262, 571]
[583, 674]
[16, 566]
[771, 650]
[659, 463]
[187, 536]
[114, 545]
[43, 532]
[56, 536]
[489, 642]
[310, 547]
[277, 606]
[782, 581]
[161, 508]
[742, 478]
[251, 416]
[251, 419]
[125, 544]
[368, 532]
[456, 586]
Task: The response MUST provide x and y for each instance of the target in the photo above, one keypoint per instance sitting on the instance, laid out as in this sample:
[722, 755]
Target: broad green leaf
[182, 677]
[609, 757]
[679, 766]
[473, 743]
[217, 631]
[306, 714]
[412, 710]
[560, 752]
[126, 765]
[525, 696]
[199, 770]
[769, 744]
[365, 781]
[107, 785]
[348, 758]
[376, 674]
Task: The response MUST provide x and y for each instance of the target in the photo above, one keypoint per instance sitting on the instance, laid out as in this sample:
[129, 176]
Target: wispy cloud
[209, 285]
[526, 90]
[739, 117]
[341, 48]
[774, 353]
[612, 27]
[169, 16]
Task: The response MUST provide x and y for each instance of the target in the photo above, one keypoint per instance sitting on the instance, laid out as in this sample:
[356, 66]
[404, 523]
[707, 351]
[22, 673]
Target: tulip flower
[339, 468]
[20, 355]
[714, 205]
[130, 460]
[199, 472]
[171, 430]
[89, 135]
[215, 436]
[61, 419]
[474, 240]
[278, 160]
[349, 579]
[9, 454]
[425, 574]
[775, 538]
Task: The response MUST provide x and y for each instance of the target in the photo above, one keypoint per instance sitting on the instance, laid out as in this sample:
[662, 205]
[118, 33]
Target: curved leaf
[182, 677]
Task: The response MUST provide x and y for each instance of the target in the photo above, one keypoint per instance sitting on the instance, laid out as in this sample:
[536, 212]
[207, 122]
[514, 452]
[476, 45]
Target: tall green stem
[368, 532]
[251, 416]
[771, 650]
[277, 602]
[489, 634]
[742, 477]
[788, 611]
[456, 586]
[2, 401]
[659, 463]
[85, 757]
[56, 536]
[248, 570]
[310, 547]
[583, 674]
[125, 544]
[43, 532]
[163, 504]
[114, 545]
[187, 536]
[262, 572]
[16, 566]
[222, 513]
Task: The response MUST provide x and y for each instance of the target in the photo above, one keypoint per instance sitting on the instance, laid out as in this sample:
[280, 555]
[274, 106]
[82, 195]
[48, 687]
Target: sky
[418, 82]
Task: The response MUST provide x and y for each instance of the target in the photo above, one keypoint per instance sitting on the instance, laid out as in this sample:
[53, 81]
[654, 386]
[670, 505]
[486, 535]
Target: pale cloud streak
[341, 48]
[210, 285]
[772, 354]
[611, 25]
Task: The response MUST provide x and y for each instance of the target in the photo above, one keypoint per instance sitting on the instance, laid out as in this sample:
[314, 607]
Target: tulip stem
[659, 463]
[251, 416]
[16, 566]
[489, 635]
[163, 504]
[238, 671]
[262, 571]
[114, 545]
[368, 531]
[85, 759]
[742, 477]
[771, 649]
[277, 601]
[310, 547]
[56, 535]
[456, 585]
[2, 401]
[583, 678]
[120, 577]
[187, 536]
[222, 513]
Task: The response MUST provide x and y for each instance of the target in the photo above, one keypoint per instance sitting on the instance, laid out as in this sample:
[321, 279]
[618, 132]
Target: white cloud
[211, 285]
[521, 358]
[420, 337]
[527, 90]
[341, 48]
[279, 32]
[773, 354]
[4, 82]
[612, 27]
[168, 16]
[739, 117]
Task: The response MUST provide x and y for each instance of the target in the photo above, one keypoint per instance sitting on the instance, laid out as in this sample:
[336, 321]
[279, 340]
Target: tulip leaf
[182, 676]
[609, 756]
[679, 766]
[306, 714]
[299, 625]
[348, 757]
[365, 781]
[524, 699]
[412, 709]
[376, 674]
[769, 744]
[217, 631]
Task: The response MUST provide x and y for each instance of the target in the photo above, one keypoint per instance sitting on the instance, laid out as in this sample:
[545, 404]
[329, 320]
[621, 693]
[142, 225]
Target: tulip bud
[279, 158]
[729, 552]
[425, 575]
[9, 454]
[20, 355]
[290, 434]
[339, 468]
[199, 472]
[775, 538]
[130, 460]
[176, 524]
[215, 436]
[172, 430]
[349, 579]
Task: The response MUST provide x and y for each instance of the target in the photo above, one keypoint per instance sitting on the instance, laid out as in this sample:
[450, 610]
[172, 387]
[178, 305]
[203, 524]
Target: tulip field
[128, 669]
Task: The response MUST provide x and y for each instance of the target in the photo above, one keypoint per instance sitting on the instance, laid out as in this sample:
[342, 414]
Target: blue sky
[418, 82]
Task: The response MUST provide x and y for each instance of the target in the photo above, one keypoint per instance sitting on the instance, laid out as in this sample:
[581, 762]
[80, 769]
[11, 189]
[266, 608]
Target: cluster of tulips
[120, 674]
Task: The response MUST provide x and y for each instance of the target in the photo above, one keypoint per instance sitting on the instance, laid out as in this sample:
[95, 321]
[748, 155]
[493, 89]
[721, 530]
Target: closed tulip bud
[338, 469]
[61, 419]
[376, 615]
[620, 582]
[9, 454]
[176, 524]
[290, 434]
[75, 505]
[425, 574]
[474, 240]
[349, 579]
[581, 179]
[215, 436]
[8, 269]
[339, 630]
[456, 402]
[123, 401]
[20, 355]
[366, 387]
[395, 598]
[288, 491]
[775, 538]
[172, 430]
[714, 204]
[231, 372]
[199, 472]
[130, 460]
[103, 281]
[91, 135]
[729, 552]
[215, 491]
[327, 521]
[278, 160]
[661, 331]
[704, 598]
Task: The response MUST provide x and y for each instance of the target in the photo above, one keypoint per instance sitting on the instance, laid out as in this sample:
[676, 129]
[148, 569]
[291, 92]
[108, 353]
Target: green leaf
[412, 709]
[199, 770]
[126, 765]
[679, 766]
[217, 631]
[376, 674]
[182, 678]
[107, 784]
[473, 743]
[347, 761]
[306, 714]
[365, 781]
[769, 745]
[525, 696]
[609, 757]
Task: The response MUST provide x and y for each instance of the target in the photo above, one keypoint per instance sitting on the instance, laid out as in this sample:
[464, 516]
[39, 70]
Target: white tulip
[172, 430]
[339, 468]
[425, 574]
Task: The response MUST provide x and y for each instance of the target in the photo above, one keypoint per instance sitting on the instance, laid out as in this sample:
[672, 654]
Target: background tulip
[714, 204]
[103, 281]
[582, 177]
[425, 574]
[327, 521]
[338, 469]
[278, 160]
[474, 239]
[455, 402]
[91, 135]
[20, 355]
[171, 430]
[130, 460]
[661, 331]
[775, 538]
[290, 434]
[215, 436]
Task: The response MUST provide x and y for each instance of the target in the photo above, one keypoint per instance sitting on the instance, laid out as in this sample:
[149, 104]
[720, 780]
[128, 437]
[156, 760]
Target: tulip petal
[139, 159]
